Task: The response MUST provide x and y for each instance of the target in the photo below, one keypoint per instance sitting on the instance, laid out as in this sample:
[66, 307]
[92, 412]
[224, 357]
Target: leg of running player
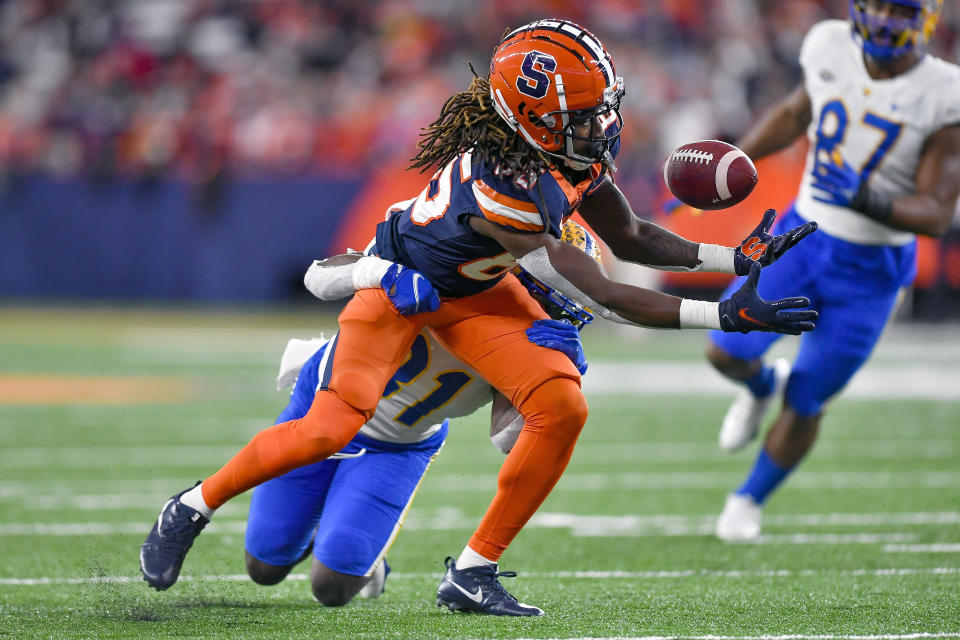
[853, 315]
[372, 343]
[739, 357]
[270, 574]
[827, 360]
[544, 386]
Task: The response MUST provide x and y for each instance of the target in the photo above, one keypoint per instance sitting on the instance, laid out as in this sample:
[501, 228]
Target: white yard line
[948, 547]
[585, 482]
[879, 381]
[545, 575]
[653, 525]
[642, 480]
[157, 455]
[671, 525]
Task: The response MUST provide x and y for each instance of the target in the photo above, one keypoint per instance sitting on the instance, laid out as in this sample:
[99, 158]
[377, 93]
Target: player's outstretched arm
[342, 275]
[635, 240]
[928, 211]
[577, 276]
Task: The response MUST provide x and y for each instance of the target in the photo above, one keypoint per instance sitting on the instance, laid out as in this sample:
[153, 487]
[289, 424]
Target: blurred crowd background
[191, 88]
[211, 93]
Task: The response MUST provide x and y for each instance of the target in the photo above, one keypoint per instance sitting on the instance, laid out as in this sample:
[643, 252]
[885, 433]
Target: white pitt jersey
[430, 386]
[878, 126]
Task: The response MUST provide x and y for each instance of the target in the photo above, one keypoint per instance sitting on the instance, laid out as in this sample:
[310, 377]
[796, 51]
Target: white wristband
[716, 258]
[699, 314]
[368, 271]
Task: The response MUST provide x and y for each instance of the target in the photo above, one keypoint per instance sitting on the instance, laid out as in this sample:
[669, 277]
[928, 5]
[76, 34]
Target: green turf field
[103, 415]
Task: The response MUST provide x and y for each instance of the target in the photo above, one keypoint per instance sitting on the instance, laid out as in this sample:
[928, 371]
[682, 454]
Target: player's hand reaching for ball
[746, 311]
[763, 249]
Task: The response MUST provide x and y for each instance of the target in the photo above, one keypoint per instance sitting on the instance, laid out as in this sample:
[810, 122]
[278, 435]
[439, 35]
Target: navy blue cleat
[478, 590]
[162, 553]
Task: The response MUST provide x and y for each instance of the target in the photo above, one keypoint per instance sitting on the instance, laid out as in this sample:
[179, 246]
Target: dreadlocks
[468, 121]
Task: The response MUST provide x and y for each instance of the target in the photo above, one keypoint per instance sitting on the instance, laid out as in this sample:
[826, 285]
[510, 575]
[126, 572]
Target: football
[709, 174]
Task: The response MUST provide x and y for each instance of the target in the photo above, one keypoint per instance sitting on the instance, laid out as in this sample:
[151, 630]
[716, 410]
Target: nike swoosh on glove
[746, 311]
[409, 291]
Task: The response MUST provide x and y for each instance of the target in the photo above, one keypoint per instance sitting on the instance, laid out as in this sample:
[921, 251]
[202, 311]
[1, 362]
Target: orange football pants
[487, 332]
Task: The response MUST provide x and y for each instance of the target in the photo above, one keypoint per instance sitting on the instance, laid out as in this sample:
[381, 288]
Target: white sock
[470, 558]
[194, 500]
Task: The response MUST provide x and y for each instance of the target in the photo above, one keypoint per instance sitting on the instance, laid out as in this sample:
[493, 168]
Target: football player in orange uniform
[347, 510]
[518, 152]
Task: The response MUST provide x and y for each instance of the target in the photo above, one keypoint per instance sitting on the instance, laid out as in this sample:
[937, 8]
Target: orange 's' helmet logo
[550, 77]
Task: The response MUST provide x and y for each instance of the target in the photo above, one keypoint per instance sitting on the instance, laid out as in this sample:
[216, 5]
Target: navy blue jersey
[432, 233]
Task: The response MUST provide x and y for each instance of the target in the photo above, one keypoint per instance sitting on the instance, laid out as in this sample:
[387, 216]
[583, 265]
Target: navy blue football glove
[837, 184]
[746, 311]
[560, 336]
[409, 291]
[762, 248]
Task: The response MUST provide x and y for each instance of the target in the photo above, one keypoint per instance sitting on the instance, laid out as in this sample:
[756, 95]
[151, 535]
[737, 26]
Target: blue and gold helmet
[888, 35]
[557, 305]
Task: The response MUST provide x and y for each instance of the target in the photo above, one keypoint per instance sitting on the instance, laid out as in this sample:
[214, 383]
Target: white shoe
[740, 519]
[375, 585]
[743, 419]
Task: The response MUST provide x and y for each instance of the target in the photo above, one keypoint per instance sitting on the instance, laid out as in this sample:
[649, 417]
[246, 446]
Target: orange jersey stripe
[509, 222]
[507, 201]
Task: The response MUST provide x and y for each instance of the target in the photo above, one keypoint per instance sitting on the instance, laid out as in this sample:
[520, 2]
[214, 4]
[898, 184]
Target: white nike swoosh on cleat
[160, 517]
[476, 597]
